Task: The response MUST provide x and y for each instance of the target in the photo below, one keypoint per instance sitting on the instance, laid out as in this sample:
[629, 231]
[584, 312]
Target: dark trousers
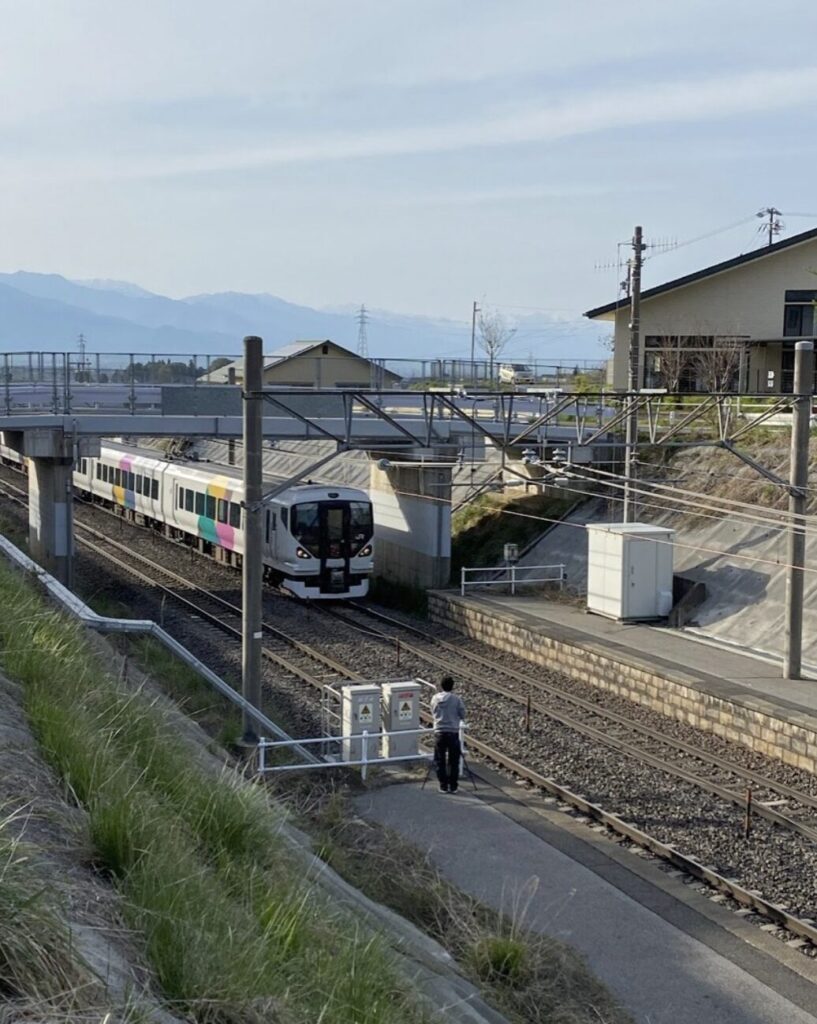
[447, 757]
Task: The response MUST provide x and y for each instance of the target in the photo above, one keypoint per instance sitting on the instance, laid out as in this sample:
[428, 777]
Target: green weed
[234, 931]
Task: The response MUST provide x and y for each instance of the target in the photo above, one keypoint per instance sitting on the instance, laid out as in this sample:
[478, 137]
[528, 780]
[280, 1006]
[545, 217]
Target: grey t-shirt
[448, 711]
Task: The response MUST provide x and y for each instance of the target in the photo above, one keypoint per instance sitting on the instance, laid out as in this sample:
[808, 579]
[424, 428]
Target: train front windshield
[331, 529]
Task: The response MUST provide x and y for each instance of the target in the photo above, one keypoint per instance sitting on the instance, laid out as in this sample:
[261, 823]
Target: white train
[318, 541]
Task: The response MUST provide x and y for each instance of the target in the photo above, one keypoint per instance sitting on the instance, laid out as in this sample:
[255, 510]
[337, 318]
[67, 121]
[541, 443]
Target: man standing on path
[448, 711]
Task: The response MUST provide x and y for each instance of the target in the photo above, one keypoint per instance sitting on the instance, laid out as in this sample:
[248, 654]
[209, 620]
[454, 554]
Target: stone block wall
[757, 723]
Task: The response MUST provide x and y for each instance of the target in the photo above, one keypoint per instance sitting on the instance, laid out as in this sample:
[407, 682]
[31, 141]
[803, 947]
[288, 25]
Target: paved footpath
[669, 954]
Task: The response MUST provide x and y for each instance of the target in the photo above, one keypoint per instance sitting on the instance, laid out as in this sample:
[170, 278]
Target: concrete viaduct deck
[426, 430]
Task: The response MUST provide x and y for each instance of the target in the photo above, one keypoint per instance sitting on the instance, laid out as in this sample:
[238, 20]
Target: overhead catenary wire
[701, 548]
[709, 501]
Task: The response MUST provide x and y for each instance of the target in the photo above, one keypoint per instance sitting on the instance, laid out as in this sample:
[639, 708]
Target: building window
[798, 319]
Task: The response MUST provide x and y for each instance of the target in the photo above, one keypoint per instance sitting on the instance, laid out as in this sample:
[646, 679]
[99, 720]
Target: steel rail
[803, 927]
[616, 743]
[234, 609]
[197, 609]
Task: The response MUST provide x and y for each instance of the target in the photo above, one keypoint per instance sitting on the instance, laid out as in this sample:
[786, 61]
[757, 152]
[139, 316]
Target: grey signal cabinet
[629, 571]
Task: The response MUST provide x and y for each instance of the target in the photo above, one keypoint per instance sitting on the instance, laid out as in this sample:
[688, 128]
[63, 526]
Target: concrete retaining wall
[759, 724]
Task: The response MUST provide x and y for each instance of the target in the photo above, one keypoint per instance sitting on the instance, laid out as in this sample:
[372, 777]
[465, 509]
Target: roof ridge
[710, 271]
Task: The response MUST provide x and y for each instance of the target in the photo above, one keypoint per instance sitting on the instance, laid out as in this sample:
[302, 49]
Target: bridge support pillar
[412, 514]
[50, 516]
[51, 456]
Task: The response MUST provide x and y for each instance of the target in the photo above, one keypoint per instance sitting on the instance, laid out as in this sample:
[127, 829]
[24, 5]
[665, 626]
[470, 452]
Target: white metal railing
[362, 762]
[556, 574]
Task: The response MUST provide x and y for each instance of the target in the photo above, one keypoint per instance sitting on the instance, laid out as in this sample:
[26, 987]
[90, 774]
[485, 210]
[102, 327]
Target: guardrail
[510, 576]
[362, 762]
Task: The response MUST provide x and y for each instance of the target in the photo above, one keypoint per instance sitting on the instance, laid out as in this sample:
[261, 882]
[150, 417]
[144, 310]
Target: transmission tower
[775, 225]
[362, 340]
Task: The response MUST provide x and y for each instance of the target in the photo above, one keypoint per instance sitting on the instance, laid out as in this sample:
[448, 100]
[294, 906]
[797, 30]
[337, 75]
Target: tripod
[465, 766]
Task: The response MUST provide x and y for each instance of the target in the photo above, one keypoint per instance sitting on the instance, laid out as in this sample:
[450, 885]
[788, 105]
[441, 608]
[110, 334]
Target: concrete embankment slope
[742, 566]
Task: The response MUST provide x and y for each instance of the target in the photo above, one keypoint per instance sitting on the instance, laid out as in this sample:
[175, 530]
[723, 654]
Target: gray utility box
[360, 712]
[629, 571]
[401, 712]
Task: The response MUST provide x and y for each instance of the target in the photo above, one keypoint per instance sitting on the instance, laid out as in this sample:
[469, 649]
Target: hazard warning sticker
[364, 714]
[404, 711]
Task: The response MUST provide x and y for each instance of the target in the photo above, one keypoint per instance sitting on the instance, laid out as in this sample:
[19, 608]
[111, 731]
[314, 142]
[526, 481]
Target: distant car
[516, 373]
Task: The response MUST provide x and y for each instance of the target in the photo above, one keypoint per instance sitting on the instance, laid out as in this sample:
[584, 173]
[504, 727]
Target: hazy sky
[409, 154]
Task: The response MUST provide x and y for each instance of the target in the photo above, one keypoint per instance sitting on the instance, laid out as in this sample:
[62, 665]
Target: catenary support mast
[253, 561]
[634, 383]
[801, 421]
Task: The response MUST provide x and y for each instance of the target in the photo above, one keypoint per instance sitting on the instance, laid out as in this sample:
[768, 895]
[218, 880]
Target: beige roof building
[311, 364]
[729, 326]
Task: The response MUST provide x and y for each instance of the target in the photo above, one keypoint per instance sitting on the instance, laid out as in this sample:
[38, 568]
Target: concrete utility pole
[798, 480]
[252, 564]
[474, 312]
[634, 382]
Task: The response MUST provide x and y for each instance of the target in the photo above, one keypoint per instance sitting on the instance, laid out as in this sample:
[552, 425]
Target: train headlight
[301, 553]
[365, 552]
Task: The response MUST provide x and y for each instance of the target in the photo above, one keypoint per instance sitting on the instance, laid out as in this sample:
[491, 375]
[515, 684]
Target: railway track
[303, 661]
[287, 652]
[776, 802]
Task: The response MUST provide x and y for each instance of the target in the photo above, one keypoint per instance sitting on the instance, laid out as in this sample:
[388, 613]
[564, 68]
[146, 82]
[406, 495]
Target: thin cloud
[600, 111]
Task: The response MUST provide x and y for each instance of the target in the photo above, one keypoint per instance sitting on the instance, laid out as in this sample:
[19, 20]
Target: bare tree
[717, 367]
[675, 361]
[494, 335]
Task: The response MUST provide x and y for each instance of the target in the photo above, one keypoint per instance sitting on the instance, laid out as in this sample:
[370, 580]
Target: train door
[334, 545]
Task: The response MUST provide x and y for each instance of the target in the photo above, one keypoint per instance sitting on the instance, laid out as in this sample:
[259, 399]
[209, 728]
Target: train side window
[210, 506]
[99, 470]
[285, 517]
[188, 500]
[139, 479]
[155, 486]
[235, 515]
[117, 477]
[222, 510]
[199, 503]
[83, 463]
[180, 498]
[269, 516]
[131, 480]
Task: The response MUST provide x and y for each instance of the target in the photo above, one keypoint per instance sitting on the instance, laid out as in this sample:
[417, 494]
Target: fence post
[561, 577]
[462, 582]
[513, 579]
[364, 755]
[262, 756]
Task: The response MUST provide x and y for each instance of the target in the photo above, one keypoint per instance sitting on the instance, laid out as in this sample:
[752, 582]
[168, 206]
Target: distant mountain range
[47, 312]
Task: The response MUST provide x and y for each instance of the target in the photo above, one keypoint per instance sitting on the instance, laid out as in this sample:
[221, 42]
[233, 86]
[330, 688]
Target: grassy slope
[719, 474]
[480, 530]
[232, 930]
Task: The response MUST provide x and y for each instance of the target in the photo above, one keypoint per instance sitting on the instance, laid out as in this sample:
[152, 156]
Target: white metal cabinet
[629, 570]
